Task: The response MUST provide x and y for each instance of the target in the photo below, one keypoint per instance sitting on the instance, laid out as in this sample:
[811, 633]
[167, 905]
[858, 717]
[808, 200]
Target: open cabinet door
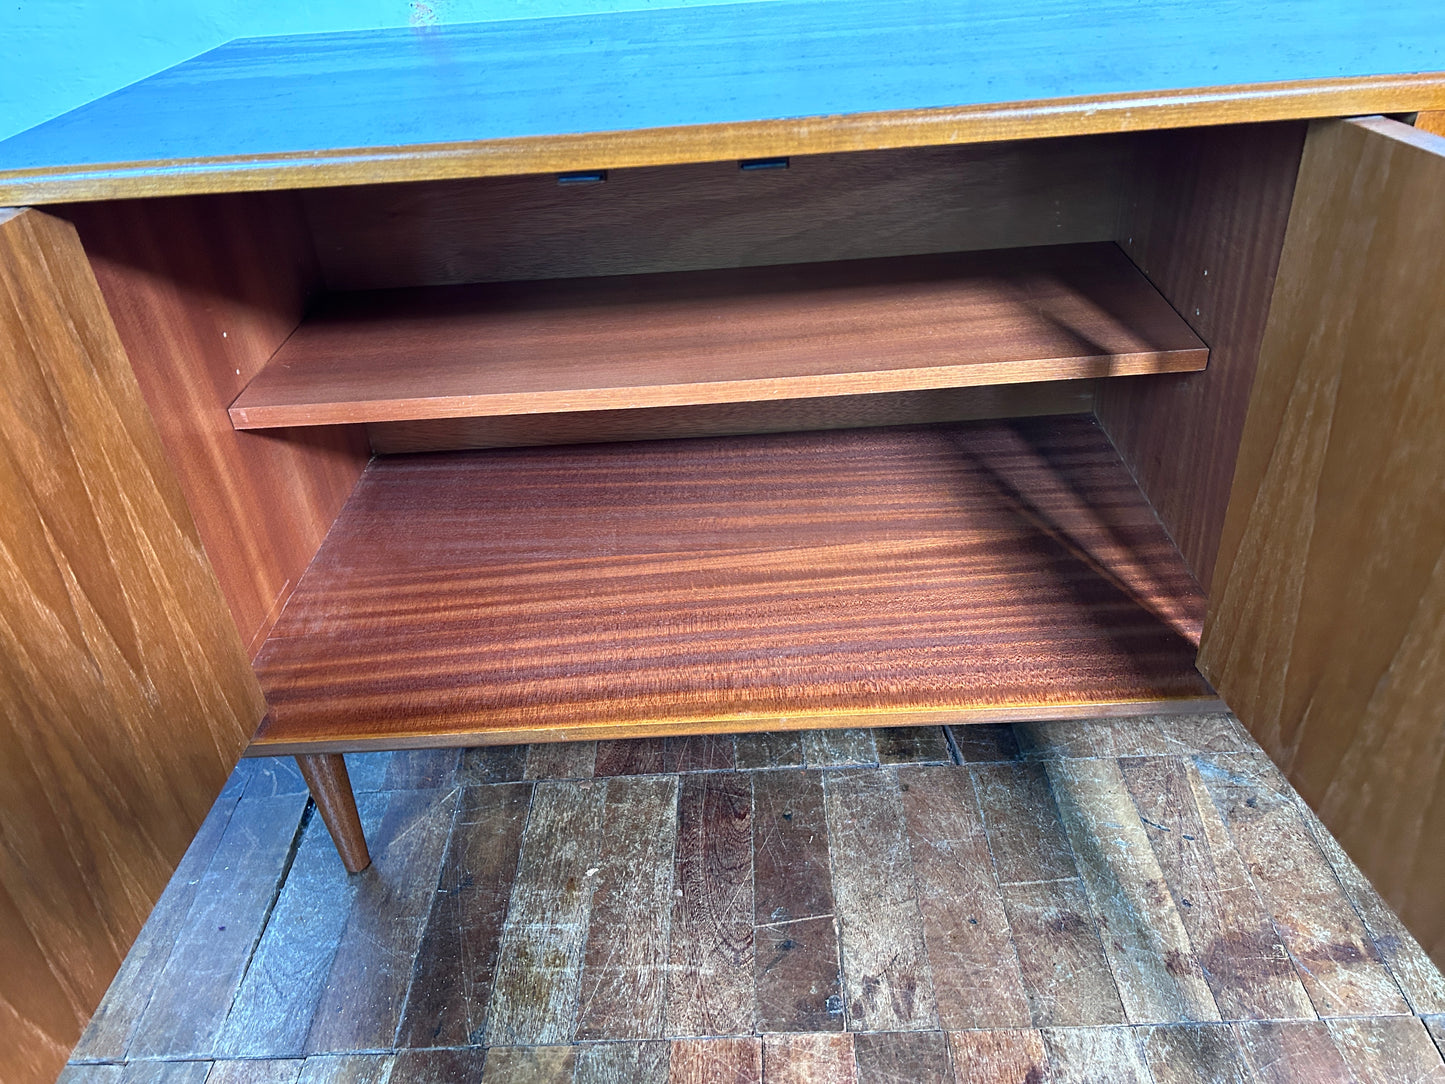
[1326, 632]
[125, 693]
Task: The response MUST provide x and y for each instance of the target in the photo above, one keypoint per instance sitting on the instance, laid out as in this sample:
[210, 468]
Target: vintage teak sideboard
[741, 367]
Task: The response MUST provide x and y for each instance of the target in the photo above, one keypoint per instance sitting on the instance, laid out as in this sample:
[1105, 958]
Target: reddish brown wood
[1004, 1054]
[717, 1061]
[330, 786]
[1205, 224]
[795, 942]
[709, 975]
[899, 324]
[451, 982]
[712, 214]
[976, 977]
[809, 1059]
[202, 292]
[733, 583]
[725, 419]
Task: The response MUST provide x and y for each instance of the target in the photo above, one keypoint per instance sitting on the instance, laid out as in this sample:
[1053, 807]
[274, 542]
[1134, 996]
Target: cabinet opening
[1042, 522]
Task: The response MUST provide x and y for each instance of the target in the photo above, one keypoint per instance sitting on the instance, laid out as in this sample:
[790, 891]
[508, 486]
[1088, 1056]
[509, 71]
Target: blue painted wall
[58, 54]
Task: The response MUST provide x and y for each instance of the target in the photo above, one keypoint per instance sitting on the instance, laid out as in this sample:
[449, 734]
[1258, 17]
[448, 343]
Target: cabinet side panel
[711, 215]
[1205, 223]
[1327, 625]
[125, 693]
[203, 290]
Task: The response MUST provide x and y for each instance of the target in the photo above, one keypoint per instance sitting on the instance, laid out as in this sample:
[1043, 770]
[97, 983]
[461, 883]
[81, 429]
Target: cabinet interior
[560, 561]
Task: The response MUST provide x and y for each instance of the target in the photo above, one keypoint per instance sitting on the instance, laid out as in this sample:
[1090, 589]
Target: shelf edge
[1016, 713]
[260, 416]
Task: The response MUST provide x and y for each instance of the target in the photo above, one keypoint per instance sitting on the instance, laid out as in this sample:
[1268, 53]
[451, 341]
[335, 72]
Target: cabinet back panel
[1205, 224]
[203, 290]
[715, 214]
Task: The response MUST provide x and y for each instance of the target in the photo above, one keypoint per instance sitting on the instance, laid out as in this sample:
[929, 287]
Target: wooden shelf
[898, 324]
[983, 571]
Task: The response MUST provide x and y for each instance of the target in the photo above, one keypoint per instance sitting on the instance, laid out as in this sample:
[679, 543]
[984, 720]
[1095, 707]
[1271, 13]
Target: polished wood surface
[748, 880]
[202, 293]
[718, 82]
[995, 569]
[1431, 121]
[724, 419]
[1205, 222]
[714, 214]
[125, 694]
[899, 324]
[1328, 612]
[330, 786]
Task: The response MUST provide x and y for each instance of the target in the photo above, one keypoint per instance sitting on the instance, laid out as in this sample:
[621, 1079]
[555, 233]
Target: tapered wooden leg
[325, 774]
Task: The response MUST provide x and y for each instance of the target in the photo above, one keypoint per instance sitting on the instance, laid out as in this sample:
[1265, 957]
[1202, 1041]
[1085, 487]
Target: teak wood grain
[202, 293]
[988, 570]
[125, 694]
[716, 82]
[1327, 628]
[896, 324]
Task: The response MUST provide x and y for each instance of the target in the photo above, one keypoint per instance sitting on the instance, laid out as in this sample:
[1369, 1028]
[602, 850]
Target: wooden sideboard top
[717, 82]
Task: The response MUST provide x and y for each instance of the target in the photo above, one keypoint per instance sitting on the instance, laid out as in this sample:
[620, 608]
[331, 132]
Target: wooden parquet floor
[1133, 900]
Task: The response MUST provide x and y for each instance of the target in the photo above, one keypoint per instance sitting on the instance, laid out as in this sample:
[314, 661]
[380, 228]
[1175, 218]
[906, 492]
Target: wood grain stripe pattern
[1204, 221]
[125, 694]
[742, 583]
[628, 341]
[1327, 628]
[560, 153]
[713, 214]
[202, 293]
